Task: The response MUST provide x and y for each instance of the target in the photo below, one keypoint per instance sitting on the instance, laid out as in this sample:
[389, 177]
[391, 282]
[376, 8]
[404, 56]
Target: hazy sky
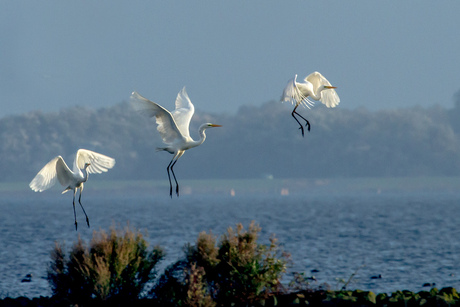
[387, 54]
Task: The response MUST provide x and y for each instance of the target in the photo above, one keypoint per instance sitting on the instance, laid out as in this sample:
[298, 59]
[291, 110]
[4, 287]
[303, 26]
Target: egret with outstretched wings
[316, 87]
[85, 162]
[173, 127]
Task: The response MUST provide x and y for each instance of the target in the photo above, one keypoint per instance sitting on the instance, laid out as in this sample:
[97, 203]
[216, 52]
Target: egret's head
[205, 126]
[87, 164]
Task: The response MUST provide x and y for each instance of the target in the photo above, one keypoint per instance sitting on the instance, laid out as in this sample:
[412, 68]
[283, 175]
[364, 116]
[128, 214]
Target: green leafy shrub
[117, 265]
[447, 297]
[232, 270]
[444, 297]
[197, 293]
[247, 270]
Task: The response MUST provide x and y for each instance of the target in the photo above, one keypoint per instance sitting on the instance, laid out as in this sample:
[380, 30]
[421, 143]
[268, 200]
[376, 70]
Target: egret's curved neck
[317, 94]
[85, 174]
[307, 90]
[202, 136]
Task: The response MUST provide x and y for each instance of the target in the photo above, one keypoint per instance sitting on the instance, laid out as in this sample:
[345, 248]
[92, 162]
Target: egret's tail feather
[308, 103]
[165, 149]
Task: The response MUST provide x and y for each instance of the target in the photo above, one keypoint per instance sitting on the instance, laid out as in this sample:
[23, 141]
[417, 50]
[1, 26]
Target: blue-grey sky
[387, 54]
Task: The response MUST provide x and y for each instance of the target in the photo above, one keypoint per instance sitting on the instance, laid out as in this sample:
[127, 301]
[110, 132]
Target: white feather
[57, 170]
[172, 126]
[301, 92]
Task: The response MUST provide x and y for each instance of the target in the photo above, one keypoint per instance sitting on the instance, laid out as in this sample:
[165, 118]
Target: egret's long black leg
[74, 213]
[169, 177]
[174, 175]
[79, 200]
[307, 123]
[301, 127]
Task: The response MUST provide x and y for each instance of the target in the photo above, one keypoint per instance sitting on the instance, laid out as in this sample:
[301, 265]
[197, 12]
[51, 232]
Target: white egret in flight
[173, 127]
[85, 162]
[316, 87]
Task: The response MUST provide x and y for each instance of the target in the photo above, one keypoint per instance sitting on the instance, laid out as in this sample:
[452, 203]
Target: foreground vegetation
[118, 269]
[357, 298]
[116, 266]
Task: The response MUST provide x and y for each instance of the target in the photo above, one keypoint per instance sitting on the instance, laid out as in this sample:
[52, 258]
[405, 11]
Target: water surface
[407, 238]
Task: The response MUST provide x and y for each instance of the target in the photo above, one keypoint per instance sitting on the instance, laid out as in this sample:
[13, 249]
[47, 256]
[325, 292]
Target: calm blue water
[410, 239]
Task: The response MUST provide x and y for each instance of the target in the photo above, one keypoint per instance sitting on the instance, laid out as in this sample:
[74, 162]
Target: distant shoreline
[287, 186]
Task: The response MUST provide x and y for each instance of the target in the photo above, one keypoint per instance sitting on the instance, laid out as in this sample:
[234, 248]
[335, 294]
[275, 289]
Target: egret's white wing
[292, 93]
[98, 162]
[63, 173]
[167, 126]
[46, 177]
[183, 112]
[329, 97]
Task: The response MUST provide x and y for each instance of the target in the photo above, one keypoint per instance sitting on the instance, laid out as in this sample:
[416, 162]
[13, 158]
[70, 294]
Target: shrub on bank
[445, 297]
[115, 265]
[235, 269]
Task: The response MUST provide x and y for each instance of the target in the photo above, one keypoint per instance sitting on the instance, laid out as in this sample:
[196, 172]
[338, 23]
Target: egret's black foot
[301, 128]
[76, 225]
[87, 221]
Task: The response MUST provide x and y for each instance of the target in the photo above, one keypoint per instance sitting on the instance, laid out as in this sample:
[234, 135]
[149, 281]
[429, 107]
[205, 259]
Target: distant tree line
[254, 142]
